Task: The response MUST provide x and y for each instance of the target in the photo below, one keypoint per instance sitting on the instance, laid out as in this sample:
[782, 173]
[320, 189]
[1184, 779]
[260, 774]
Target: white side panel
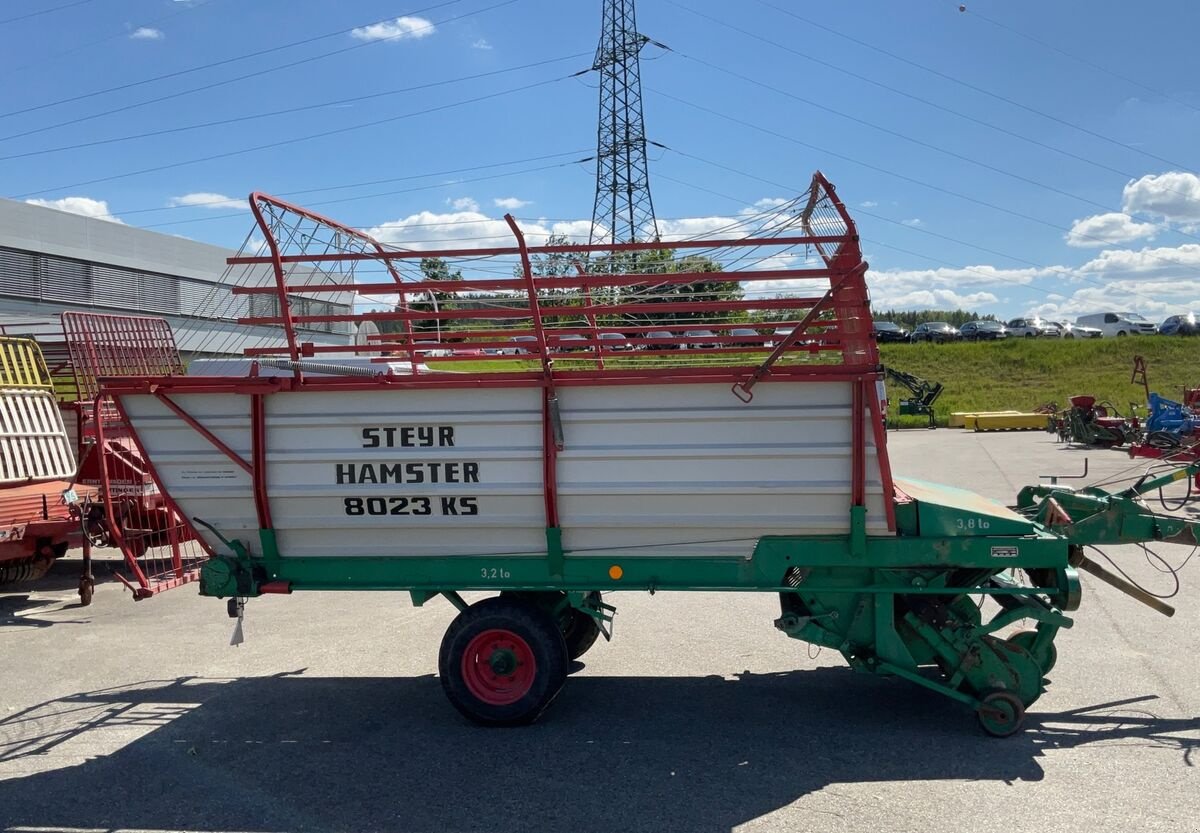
[674, 469]
[33, 440]
[689, 469]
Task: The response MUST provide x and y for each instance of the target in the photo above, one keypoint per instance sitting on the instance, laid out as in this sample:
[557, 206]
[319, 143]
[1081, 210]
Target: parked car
[700, 339]
[779, 335]
[983, 331]
[569, 342]
[615, 341]
[1180, 325]
[751, 336]
[661, 340]
[885, 331]
[1033, 328]
[937, 332]
[1117, 323]
[520, 346]
[1070, 330]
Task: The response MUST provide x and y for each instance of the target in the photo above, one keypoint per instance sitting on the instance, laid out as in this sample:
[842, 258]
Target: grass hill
[1021, 374]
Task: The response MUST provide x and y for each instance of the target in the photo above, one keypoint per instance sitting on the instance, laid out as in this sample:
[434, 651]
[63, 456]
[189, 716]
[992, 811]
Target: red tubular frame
[837, 322]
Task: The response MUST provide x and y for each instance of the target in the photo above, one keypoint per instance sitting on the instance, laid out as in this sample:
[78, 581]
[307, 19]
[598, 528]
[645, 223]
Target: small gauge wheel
[1000, 713]
[87, 589]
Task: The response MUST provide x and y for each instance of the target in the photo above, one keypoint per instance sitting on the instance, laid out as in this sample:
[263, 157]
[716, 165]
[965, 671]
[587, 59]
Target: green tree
[911, 318]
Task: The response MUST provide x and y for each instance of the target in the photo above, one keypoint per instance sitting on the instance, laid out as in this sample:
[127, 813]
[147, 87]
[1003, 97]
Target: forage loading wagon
[70, 474]
[37, 466]
[678, 456]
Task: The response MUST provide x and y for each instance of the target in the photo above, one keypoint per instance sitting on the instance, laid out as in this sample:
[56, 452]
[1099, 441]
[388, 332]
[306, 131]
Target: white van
[1117, 323]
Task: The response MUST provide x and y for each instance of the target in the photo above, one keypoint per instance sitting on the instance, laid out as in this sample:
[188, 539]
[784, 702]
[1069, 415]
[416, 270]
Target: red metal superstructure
[780, 296]
[129, 511]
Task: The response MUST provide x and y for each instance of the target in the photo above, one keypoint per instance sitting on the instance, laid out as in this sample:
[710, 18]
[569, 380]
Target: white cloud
[1106, 229]
[868, 204]
[463, 204]
[470, 228]
[767, 203]
[146, 33]
[206, 199]
[1155, 300]
[510, 203]
[1163, 261]
[85, 206]
[913, 223]
[482, 43]
[402, 28]
[1174, 196]
[684, 227]
[934, 299]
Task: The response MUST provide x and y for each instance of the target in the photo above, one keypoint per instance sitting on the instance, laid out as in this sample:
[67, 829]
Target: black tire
[520, 636]
[580, 633]
[1122, 334]
[578, 629]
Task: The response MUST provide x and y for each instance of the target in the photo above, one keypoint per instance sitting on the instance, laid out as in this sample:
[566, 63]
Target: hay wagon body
[696, 449]
[37, 466]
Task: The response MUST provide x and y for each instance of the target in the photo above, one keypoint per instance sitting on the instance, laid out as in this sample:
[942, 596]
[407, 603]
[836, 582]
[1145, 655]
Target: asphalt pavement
[698, 716]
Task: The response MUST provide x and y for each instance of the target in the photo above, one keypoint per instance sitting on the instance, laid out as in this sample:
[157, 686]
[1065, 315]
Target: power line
[294, 140]
[288, 111]
[210, 65]
[365, 184]
[45, 11]
[233, 80]
[959, 82]
[181, 8]
[991, 276]
[953, 154]
[886, 171]
[1080, 59]
[925, 101]
[381, 194]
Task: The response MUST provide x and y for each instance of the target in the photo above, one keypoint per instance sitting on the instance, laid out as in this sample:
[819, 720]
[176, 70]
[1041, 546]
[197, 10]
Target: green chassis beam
[243, 575]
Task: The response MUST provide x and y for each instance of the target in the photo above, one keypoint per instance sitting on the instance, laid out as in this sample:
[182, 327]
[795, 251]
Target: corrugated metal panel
[66, 280]
[208, 300]
[19, 274]
[682, 470]
[33, 439]
[158, 294]
[114, 287]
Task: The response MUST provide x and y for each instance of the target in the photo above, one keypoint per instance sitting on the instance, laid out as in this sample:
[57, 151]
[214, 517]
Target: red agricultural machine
[129, 513]
[71, 474]
[39, 518]
[1100, 424]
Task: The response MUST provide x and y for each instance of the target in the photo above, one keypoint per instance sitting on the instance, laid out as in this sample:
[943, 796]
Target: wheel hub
[498, 667]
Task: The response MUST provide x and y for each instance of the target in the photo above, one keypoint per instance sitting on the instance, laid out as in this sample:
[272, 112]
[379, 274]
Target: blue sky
[984, 168]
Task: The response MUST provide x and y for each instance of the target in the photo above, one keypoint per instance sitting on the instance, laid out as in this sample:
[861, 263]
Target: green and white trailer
[686, 457]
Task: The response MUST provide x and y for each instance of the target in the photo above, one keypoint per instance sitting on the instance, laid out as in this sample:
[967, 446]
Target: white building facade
[53, 261]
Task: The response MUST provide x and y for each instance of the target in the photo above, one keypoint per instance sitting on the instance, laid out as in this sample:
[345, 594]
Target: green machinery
[907, 606]
[924, 394]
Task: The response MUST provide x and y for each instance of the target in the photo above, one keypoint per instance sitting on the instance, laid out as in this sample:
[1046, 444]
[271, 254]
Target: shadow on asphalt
[289, 752]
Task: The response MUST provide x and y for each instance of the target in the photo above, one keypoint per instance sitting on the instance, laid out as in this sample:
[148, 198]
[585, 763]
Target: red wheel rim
[498, 667]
